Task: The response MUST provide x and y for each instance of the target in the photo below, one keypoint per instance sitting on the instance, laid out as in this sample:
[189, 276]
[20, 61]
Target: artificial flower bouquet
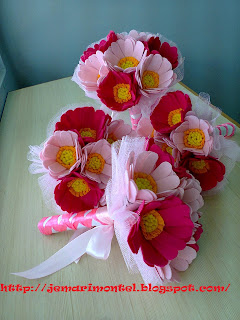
[144, 183]
[129, 71]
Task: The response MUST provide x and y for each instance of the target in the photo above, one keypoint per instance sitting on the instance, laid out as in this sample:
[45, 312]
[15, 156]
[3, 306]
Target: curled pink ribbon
[74, 221]
[226, 129]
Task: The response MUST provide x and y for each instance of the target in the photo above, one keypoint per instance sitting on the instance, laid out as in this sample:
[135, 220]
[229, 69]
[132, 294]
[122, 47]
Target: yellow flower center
[167, 149]
[174, 117]
[66, 156]
[128, 62]
[152, 224]
[98, 76]
[78, 187]
[199, 166]
[150, 79]
[121, 92]
[95, 163]
[88, 133]
[111, 138]
[194, 138]
[145, 181]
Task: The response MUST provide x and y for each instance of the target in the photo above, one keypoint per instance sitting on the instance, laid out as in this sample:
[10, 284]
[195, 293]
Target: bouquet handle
[226, 129]
[73, 221]
[135, 115]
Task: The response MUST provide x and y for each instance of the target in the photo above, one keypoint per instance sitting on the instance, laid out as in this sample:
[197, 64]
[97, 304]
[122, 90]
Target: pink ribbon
[74, 221]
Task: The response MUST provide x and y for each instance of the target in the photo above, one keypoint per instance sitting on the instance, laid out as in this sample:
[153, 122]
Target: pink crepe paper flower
[193, 135]
[166, 273]
[124, 55]
[97, 162]
[163, 228]
[147, 180]
[195, 216]
[192, 194]
[118, 129]
[118, 91]
[101, 46]
[90, 73]
[61, 153]
[184, 258]
[154, 74]
[138, 36]
[189, 191]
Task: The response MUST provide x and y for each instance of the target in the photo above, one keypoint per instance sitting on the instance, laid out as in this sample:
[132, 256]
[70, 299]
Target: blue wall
[44, 39]
[8, 81]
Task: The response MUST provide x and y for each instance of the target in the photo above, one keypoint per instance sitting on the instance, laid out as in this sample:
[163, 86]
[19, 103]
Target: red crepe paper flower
[88, 123]
[77, 193]
[163, 228]
[102, 46]
[154, 45]
[170, 111]
[207, 170]
[118, 91]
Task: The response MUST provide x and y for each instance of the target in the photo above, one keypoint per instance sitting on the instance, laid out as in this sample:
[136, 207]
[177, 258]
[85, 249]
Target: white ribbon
[95, 242]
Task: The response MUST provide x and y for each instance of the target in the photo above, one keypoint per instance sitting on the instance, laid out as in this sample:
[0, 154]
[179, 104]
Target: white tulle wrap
[46, 183]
